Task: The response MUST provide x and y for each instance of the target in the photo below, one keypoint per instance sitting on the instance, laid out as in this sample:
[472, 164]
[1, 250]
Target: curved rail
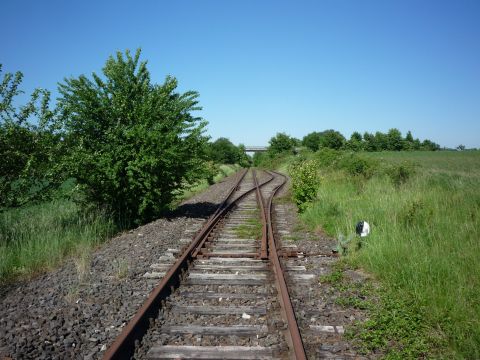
[124, 345]
[294, 336]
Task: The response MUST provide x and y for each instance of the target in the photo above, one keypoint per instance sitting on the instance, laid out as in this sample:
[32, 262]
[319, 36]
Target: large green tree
[332, 139]
[356, 142]
[312, 140]
[281, 143]
[394, 140]
[131, 143]
[223, 151]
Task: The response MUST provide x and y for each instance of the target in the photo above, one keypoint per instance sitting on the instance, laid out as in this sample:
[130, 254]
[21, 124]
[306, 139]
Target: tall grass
[224, 171]
[425, 239]
[38, 237]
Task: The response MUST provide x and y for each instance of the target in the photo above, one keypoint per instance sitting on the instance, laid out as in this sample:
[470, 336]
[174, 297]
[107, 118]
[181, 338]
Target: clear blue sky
[263, 67]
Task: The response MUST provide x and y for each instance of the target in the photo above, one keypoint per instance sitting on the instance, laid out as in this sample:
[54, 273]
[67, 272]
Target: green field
[424, 246]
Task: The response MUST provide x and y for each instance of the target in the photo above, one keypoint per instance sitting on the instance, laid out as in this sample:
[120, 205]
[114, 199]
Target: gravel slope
[76, 311]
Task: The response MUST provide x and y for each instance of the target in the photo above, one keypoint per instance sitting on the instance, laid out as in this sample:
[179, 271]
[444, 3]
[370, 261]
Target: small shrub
[348, 243]
[305, 182]
[356, 165]
[327, 157]
[397, 327]
[353, 302]
[334, 277]
[416, 212]
[400, 173]
[211, 169]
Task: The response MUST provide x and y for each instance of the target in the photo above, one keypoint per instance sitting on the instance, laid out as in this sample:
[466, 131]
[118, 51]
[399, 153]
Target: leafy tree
[356, 142]
[312, 140]
[281, 143]
[223, 151]
[417, 145]
[356, 136]
[244, 159]
[381, 141]
[369, 140]
[429, 145]
[461, 147]
[131, 143]
[408, 142]
[259, 158]
[332, 139]
[409, 137]
[394, 140]
[26, 150]
[297, 142]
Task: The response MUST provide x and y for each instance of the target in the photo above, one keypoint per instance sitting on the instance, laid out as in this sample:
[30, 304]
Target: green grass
[424, 246]
[39, 237]
[252, 229]
[224, 171]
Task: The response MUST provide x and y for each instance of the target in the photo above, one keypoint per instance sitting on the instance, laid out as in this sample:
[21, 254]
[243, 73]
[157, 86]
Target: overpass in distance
[255, 148]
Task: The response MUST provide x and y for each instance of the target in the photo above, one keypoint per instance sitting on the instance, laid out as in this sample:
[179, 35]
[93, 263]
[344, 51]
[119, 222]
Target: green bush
[327, 157]
[400, 173]
[305, 182]
[211, 169]
[130, 144]
[357, 165]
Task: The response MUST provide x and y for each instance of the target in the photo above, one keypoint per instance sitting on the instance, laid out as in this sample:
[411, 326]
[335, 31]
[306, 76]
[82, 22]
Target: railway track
[226, 295]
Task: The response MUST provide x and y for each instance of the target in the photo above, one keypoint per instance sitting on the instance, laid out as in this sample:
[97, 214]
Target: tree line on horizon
[223, 150]
[390, 141]
[332, 139]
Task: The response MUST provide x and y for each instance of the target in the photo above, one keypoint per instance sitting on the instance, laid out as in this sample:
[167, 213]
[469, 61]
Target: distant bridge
[255, 148]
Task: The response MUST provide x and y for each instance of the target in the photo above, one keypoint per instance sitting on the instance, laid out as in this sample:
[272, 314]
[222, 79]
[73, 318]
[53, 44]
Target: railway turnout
[225, 296]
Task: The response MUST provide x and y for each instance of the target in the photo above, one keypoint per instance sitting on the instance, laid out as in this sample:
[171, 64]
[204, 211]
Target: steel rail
[223, 211]
[230, 193]
[124, 345]
[294, 336]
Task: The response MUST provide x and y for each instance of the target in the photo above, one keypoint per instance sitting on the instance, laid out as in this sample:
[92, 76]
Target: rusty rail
[294, 337]
[124, 345]
[200, 244]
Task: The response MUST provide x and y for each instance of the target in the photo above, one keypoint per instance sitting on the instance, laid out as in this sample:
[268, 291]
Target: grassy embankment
[36, 238]
[224, 171]
[424, 248]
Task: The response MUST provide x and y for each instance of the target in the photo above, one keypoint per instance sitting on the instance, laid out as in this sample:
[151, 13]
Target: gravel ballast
[321, 319]
[77, 310]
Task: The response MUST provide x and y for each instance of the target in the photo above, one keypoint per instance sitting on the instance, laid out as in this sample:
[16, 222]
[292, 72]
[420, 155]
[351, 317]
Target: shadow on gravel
[197, 210]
